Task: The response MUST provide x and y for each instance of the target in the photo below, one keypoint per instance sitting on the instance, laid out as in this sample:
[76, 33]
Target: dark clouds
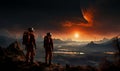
[39, 14]
[51, 15]
[108, 17]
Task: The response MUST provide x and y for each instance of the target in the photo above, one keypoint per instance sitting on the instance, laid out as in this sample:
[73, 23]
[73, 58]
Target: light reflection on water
[65, 52]
[81, 53]
[63, 49]
[72, 52]
[111, 53]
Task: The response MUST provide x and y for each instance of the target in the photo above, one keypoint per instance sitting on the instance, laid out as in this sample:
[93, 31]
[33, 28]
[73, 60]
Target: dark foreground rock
[12, 58]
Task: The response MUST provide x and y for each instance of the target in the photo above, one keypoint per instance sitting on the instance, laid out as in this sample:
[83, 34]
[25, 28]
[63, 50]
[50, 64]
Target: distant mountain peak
[104, 39]
[91, 44]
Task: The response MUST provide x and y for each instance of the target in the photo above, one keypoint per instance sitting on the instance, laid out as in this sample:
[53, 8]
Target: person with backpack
[30, 44]
[48, 45]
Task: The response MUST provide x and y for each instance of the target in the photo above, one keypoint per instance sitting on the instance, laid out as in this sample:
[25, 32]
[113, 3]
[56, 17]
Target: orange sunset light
[76, 35]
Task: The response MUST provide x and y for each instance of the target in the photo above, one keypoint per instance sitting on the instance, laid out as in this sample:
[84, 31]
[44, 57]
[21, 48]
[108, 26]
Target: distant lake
[76, 54]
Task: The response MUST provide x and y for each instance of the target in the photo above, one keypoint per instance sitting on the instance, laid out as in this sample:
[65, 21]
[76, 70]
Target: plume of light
[85, 21]
[88, 15]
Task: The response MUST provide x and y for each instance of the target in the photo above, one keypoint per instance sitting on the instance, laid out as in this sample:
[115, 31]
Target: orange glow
[67, 24]
[76, 35]
[88, 15]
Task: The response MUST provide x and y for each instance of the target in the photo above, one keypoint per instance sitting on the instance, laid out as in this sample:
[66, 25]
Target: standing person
[30, 44]
[117, 44]
[48, 45]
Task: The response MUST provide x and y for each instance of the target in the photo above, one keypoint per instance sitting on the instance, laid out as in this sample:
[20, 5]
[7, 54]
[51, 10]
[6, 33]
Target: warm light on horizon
[76, 35]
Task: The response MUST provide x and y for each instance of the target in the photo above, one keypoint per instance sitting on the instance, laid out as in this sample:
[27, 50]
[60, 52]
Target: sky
[78, 20]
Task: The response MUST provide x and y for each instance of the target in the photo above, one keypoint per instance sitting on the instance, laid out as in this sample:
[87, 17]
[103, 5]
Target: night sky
[91, 19]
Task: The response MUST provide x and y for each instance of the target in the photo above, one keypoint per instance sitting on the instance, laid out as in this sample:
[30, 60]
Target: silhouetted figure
[30, 44]
[48, 45]
[117, 45]
[116, 40]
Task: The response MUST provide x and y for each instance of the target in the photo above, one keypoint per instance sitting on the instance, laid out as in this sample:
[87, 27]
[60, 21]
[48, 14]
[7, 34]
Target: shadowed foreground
[12, 58]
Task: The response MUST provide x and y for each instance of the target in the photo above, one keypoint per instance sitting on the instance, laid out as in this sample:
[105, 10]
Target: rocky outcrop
[15, 52]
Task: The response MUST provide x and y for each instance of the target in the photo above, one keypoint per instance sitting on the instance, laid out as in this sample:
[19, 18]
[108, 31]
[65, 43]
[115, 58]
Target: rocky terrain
[12, 58]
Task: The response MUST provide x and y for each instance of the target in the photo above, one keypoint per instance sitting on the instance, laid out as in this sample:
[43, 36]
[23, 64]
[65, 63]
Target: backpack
[26, 38]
